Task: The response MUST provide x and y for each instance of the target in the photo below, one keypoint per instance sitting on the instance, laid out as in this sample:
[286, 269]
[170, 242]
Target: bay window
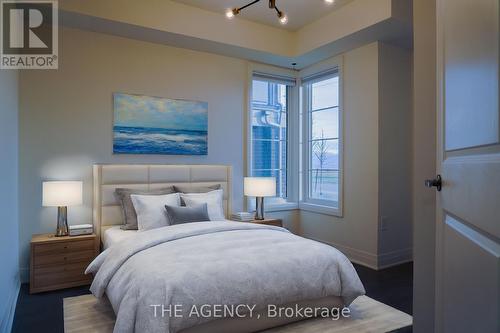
[295, 135]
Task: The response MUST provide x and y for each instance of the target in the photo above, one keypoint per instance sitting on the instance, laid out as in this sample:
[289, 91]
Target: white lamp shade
[62, 193]
[260, 186]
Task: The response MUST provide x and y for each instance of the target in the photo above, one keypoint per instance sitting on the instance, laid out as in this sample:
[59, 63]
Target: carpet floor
[44, 312]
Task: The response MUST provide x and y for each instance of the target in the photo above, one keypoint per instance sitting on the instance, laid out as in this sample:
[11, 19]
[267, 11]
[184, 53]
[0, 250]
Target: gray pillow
[196, 189]
[180, 215]
[128, 211]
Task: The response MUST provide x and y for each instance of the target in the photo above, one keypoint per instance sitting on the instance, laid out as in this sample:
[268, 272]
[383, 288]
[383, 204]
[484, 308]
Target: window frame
[306, 202]
[282, 76]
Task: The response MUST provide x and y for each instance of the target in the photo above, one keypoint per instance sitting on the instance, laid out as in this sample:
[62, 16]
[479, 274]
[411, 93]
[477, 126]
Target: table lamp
[259, 187]
[62, 194]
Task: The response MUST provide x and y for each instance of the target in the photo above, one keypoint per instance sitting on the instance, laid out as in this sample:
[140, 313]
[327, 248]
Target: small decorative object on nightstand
[259, 187]
[61, 194]
[60, 262]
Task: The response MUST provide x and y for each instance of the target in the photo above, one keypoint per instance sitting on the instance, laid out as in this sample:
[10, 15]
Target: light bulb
[329, 1]
[284, 19]
[230, 13]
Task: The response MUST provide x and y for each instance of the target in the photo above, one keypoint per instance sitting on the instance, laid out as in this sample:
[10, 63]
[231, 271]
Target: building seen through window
[269, 133]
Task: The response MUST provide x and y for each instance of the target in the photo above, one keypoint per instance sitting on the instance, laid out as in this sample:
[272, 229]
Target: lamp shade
[62, 193]
[260, 186]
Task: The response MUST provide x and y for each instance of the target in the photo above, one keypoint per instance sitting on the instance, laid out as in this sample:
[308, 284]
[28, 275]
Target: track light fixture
[230, 13]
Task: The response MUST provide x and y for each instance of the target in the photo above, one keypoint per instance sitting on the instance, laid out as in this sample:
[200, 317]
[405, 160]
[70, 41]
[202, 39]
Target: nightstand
[275, 222]
[60, 262]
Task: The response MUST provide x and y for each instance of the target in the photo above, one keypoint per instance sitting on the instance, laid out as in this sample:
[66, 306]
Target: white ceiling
[299, 12]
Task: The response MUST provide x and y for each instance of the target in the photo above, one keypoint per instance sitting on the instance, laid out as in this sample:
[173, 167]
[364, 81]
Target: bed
[154, 279]
[114, 234]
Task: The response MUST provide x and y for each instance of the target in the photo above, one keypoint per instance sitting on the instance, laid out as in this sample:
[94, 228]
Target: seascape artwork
[153, 125]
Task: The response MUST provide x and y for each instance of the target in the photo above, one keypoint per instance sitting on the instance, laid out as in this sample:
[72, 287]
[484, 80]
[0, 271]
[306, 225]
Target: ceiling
[299, 12]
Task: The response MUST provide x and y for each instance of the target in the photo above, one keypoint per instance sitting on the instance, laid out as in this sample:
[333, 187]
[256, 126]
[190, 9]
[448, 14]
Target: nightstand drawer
[64, 247]
[63, 258]
[61, 275]
[60, 262]
[65, 268]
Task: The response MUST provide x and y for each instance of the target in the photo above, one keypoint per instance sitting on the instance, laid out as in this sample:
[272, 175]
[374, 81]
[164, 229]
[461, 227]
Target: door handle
[436, 182]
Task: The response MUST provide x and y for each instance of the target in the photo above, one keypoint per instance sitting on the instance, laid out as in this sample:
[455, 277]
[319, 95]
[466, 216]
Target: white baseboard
[394, 258]
[371, 260]
[7, 321]
[356, 256]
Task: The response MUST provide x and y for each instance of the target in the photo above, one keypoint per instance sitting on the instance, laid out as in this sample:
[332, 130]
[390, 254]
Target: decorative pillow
[179, 215]
[150, 209]
[213, 199]
[128, 211]
[196, 189]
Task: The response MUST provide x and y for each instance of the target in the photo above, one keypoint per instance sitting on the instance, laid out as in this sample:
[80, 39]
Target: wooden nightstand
[275, 222]
[60, 262]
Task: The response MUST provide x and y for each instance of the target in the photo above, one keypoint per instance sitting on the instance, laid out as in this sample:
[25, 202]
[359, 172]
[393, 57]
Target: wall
[377, 160]
[340, 23]
[356, 233]
[66, 126]
[424, 161]
[395, 161]
[166, 16]
[66, 115]
[9, 237]
[184, 20]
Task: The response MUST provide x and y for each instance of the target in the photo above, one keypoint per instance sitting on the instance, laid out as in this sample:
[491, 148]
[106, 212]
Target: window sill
[281, 207]
[320, 209]
[276, 205]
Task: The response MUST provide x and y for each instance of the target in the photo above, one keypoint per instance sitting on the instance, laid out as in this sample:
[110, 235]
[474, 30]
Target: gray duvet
[226, 263]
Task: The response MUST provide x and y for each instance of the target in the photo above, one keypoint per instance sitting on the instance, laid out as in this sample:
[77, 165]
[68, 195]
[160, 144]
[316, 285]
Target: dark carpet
[44, 312]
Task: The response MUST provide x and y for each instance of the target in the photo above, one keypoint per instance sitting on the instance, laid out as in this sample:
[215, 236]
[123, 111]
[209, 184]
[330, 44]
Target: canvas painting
[153, 125]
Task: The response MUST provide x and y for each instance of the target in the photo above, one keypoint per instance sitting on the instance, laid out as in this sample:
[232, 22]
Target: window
[296, 136]
[269, 131]
[322, 141]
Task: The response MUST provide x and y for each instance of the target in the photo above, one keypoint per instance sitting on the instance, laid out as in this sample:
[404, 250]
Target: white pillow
[213, 199]
[150, 209]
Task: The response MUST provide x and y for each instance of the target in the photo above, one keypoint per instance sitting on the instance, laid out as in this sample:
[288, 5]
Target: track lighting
[230, 13]
[283, 18]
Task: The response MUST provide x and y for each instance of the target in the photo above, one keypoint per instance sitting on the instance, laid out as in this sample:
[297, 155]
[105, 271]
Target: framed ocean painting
[154, 125]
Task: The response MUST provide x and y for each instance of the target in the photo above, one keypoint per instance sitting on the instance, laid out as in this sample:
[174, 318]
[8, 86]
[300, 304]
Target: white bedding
[113, 235]
[215, 263]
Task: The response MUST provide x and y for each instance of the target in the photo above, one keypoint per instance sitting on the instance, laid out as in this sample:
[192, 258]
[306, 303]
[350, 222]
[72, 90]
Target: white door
[468, 218]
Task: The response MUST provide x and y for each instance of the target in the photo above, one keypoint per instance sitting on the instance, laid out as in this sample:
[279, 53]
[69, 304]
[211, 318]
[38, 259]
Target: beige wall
[66, 115]
[9, 237]
[355, 23]
[395, 159]
[340, 23]
[181, 19]
[66, 126]
[376, 227]
[356, 233]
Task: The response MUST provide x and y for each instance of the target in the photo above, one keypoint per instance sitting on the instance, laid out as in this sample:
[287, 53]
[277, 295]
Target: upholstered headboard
[106, 209]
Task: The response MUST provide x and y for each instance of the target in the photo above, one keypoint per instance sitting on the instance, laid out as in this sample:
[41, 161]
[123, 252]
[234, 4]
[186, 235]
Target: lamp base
[62, 222]
[259, 208]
